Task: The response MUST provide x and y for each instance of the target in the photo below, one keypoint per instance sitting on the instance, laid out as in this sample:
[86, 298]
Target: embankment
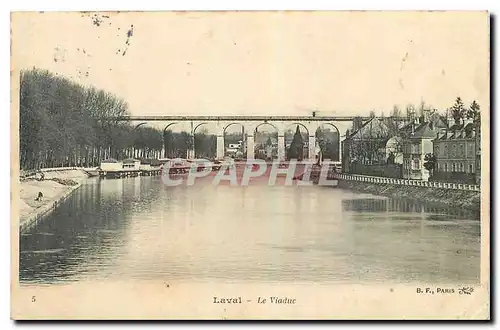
[55, 187]
[470, 200]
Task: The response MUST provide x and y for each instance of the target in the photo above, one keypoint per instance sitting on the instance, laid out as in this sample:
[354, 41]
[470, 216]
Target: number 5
[33, 298]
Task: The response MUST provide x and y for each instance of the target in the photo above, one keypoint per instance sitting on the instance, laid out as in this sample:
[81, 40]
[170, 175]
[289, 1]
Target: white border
[252, 5]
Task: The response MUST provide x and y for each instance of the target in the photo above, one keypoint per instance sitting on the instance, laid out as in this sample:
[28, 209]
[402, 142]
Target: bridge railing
[406, 182]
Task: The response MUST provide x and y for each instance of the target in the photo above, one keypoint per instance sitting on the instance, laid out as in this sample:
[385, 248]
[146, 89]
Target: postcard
[258, 165]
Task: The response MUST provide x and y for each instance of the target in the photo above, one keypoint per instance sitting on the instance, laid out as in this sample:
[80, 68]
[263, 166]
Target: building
[147, 164]
[416, 145]
[131, 164]
[418, 136]
[235, 149]
[456, 155]
[267, 149]
[111, 165]
[365, 146]
[265, 152]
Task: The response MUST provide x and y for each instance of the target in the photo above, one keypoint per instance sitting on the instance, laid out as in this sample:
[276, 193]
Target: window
[453, 167]
[470, 150]
[471, 168]
[461, 167]
[446, 150]
[415, 148]
[446, 167]
[416, 164]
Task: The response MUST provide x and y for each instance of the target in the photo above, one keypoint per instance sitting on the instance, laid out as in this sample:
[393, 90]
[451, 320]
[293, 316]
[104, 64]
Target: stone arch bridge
[250, 125]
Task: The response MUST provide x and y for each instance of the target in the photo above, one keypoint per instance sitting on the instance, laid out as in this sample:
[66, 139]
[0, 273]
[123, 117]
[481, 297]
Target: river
[139, 228]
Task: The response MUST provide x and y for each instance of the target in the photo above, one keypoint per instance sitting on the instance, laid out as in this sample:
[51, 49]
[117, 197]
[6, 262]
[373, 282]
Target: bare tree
[396, 112]
[410, 111]
[367, 149]
[63, 123]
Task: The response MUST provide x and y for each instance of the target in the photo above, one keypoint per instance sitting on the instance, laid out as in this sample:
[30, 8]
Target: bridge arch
[227, 125]
[294, 124]
[176, 144]
[168, 125]
[204, 142]
[145, 141]
[195, 127]
[297, 151]
[330, 124]
[329, 149]
[267, 123]
[234, 142]
[139, 125]
[266, 142]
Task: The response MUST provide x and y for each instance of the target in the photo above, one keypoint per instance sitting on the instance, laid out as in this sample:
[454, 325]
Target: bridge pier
[281, 148]
[250, 147]
[220, 146]
[312, 148]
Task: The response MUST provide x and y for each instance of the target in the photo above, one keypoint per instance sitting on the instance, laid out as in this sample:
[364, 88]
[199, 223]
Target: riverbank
[470, 200]
[56, 187]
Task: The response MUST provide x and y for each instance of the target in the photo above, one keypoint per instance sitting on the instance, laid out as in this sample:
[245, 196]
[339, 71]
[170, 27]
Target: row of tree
[63, 123]
[66, 124]
[458, 112]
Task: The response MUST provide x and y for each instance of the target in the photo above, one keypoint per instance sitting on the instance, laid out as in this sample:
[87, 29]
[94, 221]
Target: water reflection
[407, 206]
[140, 228]
[79, 237]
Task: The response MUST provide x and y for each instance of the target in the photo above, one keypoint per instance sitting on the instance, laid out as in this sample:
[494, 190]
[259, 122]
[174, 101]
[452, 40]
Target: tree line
[62, 123]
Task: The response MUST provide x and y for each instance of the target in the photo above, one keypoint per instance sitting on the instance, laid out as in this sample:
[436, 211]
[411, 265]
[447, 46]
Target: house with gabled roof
[366, 145]
[418, 142]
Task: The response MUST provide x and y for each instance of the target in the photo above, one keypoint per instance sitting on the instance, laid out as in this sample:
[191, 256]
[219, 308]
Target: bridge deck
[238, 118]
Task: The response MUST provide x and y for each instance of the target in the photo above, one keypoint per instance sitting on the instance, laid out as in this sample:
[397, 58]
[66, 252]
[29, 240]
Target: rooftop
[373, 128]
[466, 132]
[424, 131]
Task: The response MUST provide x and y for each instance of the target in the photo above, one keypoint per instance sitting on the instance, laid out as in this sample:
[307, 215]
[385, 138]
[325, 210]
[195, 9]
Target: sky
[263, 63]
